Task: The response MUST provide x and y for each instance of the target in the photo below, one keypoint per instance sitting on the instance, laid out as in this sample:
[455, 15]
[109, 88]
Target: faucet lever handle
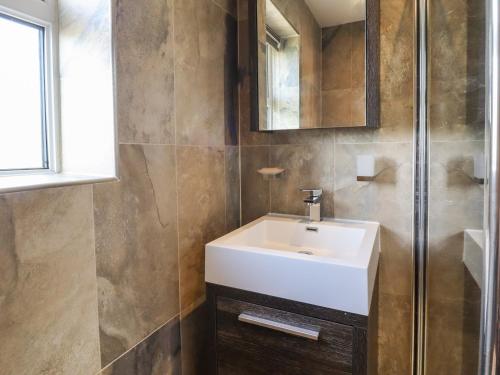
[314, 195]
[313, 192]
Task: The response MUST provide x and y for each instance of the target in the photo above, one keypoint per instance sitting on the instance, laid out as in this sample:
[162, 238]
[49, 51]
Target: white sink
[332, 263]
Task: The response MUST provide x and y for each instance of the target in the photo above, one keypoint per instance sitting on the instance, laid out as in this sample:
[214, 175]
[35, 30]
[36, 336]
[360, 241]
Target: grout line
[192, 307]
[173, 144]
[238, 87]
[96, 279]
[222, 8]
[334, 168]
[176, 162]
[320, 143]
[146, 144]
[203, 146]
[176, 316]
[226, 187]
[269, 181]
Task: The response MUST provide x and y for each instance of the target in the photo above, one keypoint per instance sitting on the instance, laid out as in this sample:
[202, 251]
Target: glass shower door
[456, 49]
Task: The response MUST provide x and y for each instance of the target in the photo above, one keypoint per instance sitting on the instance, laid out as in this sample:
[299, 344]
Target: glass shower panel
[456, 107]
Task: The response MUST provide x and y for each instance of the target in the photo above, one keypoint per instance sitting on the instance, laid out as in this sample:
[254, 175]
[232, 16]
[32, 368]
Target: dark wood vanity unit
[255, 334]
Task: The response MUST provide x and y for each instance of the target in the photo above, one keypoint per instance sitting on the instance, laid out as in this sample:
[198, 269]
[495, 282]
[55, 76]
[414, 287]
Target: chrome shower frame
[491, 277]
[490, 316]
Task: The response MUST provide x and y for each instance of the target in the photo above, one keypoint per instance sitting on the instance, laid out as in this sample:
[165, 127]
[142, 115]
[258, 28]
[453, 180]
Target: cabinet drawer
[253, 339]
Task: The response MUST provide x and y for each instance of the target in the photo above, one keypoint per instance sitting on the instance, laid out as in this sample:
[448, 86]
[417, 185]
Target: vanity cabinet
[255, 334]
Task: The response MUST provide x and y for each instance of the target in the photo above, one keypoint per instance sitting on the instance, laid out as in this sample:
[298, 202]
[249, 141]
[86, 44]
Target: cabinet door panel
[279, 342]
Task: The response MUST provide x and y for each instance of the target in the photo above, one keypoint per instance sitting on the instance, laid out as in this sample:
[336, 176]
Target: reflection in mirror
[282, 67]
[343, 70]
[311, 57]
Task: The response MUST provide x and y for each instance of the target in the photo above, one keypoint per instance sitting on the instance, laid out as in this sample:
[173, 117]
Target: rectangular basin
[331, 264]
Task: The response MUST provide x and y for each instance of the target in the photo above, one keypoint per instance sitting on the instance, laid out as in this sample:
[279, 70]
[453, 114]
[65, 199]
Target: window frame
[43, 14]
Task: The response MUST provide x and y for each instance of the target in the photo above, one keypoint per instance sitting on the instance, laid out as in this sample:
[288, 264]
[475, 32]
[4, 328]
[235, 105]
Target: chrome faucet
[313, 201]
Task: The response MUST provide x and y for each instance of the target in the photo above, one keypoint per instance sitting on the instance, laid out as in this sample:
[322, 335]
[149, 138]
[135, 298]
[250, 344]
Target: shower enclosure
[456, 187]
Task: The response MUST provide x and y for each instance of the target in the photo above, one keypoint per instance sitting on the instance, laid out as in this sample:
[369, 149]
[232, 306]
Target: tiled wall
[343, 75]
[457, 45]
[326, 158]
[112, 274]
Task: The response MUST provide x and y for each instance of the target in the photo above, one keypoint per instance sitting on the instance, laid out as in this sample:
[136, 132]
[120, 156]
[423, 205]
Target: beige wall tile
[232, 175]
[388, 199]
[358, 106]
[145, 71]
[306, 166]
[201, 194]
[136, 248]
[336, 107]
[199, 72]
[230, 6]
[255, 189]
[48, 299]
[310, 136]
[456, 204]
[395, 334]
[358, 58]
[337, 58]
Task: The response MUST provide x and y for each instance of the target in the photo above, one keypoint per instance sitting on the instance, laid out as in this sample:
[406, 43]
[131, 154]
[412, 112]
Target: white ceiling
[337, 12]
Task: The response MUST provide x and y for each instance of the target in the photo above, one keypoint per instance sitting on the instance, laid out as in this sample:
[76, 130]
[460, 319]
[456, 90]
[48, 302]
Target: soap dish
[271, 172]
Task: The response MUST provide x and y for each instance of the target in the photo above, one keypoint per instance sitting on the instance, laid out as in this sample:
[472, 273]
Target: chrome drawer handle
[281, 327]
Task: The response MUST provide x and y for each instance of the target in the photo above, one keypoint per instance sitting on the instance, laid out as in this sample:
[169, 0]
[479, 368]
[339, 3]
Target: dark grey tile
[158, 354]
[195, 342]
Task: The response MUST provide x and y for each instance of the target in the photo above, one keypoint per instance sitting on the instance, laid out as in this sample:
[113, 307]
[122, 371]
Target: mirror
[313, 64]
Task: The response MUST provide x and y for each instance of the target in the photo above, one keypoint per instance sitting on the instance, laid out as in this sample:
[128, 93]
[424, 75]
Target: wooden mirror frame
[372, 67]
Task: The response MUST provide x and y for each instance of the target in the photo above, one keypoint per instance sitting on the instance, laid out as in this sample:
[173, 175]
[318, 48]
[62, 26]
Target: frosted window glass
[22, 109]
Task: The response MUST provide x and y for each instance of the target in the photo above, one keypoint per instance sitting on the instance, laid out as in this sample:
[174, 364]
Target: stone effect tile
[136, 248]
[457, 82]
[230, 6]
[459, 323]
[200, 74]
[201, 195]
[195, 342]
[232, 173]
[456, 203]
[158, 354]
[48, 301]
[306, 166]
[343, 79]
[388, 200]
[145, 71]
[255, 191]
[394, 335]
[396, 78]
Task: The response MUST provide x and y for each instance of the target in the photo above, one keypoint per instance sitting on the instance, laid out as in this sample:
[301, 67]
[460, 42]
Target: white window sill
[17, 183]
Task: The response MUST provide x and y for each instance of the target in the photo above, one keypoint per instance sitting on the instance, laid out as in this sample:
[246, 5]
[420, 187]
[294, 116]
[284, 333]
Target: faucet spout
[313, 201]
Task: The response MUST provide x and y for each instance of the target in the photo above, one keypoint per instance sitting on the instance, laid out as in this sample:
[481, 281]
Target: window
[57, 126]
[27, 102]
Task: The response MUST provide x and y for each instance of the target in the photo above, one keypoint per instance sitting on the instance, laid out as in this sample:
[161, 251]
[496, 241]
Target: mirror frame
[372, 68]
